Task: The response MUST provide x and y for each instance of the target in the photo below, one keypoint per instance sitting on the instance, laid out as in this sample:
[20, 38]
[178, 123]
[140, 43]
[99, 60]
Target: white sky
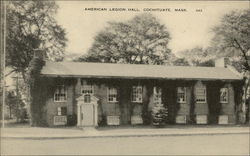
[187, 29]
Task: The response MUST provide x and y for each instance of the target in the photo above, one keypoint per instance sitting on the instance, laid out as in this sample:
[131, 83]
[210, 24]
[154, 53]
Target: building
[92, 94]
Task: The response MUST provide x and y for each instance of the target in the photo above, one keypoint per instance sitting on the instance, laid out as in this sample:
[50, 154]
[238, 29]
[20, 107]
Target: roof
[109, 70]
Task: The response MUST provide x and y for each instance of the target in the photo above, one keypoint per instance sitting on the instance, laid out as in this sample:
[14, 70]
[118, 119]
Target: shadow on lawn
[14, 124]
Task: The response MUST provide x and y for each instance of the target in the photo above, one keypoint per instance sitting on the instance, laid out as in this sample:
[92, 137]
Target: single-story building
[95, 94]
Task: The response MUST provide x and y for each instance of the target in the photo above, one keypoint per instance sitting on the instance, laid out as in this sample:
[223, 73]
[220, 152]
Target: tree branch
[14, 70]
[244, 53]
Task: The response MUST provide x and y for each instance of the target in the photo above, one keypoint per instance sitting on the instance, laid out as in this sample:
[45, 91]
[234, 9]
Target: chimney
[222, 62]
[39, 53]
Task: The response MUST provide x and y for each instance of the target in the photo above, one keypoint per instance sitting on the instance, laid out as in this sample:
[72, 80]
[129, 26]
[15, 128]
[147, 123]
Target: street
[233, 144]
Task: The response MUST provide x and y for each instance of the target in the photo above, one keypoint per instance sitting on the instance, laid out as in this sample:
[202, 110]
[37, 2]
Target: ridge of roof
[90, 69]
[126, 64]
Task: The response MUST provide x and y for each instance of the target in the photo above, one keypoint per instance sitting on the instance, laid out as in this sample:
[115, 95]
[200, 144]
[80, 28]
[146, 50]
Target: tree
[141, 40]
[16, 106]
[31, 25]
[34, 89]
[232, 39]
[199, 56]
[180, 62]
[32, 28]
[10, 102]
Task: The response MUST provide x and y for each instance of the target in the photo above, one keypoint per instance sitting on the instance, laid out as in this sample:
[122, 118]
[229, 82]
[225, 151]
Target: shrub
[159, 115]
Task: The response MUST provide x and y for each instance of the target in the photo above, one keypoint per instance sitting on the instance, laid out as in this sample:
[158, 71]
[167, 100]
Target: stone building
[97, 94]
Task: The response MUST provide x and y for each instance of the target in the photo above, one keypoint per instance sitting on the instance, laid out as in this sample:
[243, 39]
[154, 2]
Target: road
[236, 144]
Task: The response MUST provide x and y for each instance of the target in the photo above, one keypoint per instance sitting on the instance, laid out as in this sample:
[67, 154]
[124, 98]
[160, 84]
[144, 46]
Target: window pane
[181, 94]
[87, 89]
[137, 94]
[224, 95]
[112, 94]
[60, 93]
[87, 98]
[201, 94]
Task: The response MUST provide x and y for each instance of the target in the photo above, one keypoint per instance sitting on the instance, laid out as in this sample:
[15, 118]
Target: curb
[121, 136]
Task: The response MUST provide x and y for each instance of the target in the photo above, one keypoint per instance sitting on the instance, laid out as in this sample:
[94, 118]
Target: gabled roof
[108, 70]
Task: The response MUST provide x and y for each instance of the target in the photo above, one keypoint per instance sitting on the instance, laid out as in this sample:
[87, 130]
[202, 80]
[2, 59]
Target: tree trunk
[244, 111]
[247, 100]
[10, 112]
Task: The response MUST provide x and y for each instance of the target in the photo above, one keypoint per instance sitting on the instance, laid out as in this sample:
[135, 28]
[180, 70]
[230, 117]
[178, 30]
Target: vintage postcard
[125, 77]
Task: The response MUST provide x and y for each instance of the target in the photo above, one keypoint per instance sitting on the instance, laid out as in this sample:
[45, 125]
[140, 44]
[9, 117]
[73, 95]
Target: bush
[159, 115]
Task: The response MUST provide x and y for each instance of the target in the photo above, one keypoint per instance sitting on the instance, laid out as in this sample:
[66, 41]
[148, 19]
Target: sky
[188, 29]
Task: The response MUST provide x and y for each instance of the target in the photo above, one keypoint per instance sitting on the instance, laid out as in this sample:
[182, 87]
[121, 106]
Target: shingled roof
[108, 70]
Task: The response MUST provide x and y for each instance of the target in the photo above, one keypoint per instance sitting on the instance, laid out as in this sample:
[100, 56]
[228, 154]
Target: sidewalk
[74, 132]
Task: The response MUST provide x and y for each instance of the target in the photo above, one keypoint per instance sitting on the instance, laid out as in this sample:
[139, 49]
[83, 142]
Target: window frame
[108, 95]
[65, 92]
[205, 95]
[137, 93]
[92, 89]
[227, 95]
[185, 95]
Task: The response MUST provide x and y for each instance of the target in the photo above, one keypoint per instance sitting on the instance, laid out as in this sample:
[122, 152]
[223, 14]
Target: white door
[87, 115]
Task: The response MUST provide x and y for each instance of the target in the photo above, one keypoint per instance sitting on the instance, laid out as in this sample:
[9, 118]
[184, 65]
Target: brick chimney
[39, 53]
[222, 62]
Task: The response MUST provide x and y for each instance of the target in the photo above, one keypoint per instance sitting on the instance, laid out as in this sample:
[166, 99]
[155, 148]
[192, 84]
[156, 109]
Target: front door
[87, 115]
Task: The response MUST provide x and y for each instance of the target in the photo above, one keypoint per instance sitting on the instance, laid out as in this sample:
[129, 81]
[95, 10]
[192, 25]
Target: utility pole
[3, 55]
[17, 78]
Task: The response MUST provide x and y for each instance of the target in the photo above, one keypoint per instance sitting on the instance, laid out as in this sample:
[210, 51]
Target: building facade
[99, 94]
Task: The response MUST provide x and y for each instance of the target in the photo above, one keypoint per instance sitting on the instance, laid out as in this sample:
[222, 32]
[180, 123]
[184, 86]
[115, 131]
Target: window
[137, 94]
[60, 94]
[201, 95]
[61, 117]
[87, 98]
[157, 95]
[224, 95]
[112, 94]
[61, 111]
[181, 94]
[87, 89]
